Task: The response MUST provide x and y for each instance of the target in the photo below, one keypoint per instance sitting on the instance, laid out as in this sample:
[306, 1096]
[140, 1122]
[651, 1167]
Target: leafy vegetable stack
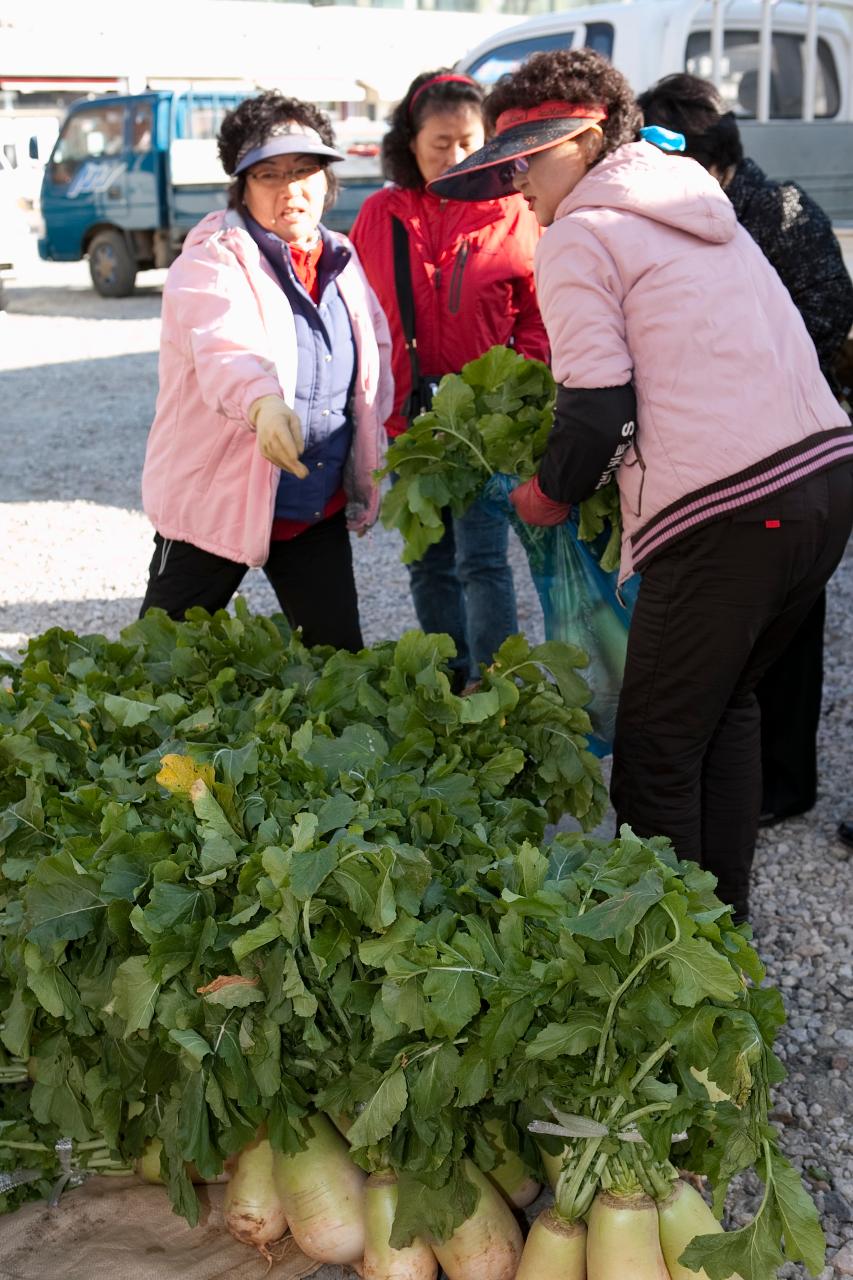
[250, 889]
[492, 418]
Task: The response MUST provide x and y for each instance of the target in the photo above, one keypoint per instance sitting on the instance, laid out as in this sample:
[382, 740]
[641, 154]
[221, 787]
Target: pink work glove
[534, 507]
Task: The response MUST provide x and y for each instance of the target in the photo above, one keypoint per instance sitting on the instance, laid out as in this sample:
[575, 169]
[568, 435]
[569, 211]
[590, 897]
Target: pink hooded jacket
[646, 276]
[228, 337]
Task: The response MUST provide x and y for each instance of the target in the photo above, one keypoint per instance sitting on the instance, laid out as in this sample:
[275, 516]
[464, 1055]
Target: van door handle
[114, 192]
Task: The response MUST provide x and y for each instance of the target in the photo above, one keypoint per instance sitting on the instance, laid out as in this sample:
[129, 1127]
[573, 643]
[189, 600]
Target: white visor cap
[290, 138]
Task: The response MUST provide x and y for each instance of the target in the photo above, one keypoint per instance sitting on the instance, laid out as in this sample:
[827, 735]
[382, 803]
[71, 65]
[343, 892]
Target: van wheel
[111, 264]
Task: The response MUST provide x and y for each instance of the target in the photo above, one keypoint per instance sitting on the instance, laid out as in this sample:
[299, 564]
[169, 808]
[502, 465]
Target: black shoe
[770, 819]
[737, 898]
[845, 833]
[458, 680]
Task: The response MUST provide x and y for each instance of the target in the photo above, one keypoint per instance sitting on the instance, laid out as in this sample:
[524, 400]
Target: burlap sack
[123, 1229]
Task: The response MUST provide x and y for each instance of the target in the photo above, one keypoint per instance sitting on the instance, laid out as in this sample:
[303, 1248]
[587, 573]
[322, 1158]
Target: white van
[786, 69]
[26, 142]
[14, 232]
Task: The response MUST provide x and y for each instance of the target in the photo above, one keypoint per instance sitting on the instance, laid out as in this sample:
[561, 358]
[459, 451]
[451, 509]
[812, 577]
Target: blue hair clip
[666, 139]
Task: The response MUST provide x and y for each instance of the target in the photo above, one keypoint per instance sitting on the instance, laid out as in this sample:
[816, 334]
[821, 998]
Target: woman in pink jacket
[684, 368]
[274, 388]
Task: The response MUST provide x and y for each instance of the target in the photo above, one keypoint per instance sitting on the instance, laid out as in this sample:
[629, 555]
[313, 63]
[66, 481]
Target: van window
[739, 82]
[599, 36]
[87, 135]
[508, 57]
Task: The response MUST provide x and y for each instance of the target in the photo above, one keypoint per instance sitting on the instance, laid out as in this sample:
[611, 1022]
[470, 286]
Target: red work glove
[534, 507]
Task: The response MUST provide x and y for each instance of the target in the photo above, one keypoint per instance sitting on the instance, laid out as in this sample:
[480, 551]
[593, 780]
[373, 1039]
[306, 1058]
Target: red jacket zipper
[455, 298]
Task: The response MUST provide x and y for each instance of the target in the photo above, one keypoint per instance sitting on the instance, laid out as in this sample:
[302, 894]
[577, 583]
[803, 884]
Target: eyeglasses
[521, 164]
[271, 178]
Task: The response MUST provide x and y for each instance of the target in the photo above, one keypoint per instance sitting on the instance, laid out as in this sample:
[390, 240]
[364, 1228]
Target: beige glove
[279, 433]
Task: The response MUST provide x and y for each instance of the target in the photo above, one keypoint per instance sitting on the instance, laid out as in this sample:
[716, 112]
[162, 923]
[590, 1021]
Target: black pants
[713, 612]
[789, 696]
[311, 575]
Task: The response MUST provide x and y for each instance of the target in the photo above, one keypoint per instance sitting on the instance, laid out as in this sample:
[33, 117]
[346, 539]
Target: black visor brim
[488, 174]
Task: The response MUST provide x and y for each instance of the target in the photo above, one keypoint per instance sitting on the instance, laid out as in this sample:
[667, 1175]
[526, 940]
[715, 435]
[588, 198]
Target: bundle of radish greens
[493, 417]
[257, 897]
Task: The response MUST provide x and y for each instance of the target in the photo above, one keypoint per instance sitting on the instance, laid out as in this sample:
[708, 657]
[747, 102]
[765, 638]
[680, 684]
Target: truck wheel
[111, 264]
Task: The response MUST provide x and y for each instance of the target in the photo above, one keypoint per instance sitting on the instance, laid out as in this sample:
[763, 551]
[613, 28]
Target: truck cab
[128, 177]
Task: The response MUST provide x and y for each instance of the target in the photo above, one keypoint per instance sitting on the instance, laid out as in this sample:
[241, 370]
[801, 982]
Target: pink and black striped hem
[782, 470]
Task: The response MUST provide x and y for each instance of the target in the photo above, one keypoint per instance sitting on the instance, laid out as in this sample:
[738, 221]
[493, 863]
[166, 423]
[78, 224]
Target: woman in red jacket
[471, 268]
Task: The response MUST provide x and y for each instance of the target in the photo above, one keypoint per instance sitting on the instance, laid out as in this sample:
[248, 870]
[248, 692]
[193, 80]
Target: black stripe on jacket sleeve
[593, 429]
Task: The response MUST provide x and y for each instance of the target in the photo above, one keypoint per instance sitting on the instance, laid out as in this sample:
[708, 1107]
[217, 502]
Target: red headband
[553, 110]
[427, 84]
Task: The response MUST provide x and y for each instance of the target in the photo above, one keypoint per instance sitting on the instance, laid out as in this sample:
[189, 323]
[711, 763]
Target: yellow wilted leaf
[232, 991]
[227, 980]
[178, 773]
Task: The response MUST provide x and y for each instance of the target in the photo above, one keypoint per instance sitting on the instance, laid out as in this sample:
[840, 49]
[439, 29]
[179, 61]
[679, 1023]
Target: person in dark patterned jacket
[796, 235]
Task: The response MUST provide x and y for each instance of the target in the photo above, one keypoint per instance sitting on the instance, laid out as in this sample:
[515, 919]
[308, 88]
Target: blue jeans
[463, 586]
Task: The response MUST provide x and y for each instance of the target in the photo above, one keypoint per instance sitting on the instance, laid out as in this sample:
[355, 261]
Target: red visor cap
[487, 174]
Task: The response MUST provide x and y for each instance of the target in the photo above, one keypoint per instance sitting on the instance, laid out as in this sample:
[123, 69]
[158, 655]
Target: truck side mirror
[34, 148]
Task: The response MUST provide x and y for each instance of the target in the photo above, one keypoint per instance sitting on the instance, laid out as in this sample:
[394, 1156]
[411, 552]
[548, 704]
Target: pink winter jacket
[646, 275]
[228, 337]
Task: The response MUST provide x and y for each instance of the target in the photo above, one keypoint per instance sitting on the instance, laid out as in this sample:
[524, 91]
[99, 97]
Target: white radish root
[322, 1192]
[486, 1246]
[553, 1165]
[416, 1262]
[510, 1172]
[342, 1122]
[252, 1206]
[554, 1250]
[681, 1216]
[622, 1239]
[148, 1166]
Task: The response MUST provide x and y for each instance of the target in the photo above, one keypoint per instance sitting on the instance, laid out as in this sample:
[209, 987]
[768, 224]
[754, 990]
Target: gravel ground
[80, 378]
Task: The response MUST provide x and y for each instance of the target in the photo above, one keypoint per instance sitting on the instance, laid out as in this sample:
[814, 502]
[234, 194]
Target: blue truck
[129, 176]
